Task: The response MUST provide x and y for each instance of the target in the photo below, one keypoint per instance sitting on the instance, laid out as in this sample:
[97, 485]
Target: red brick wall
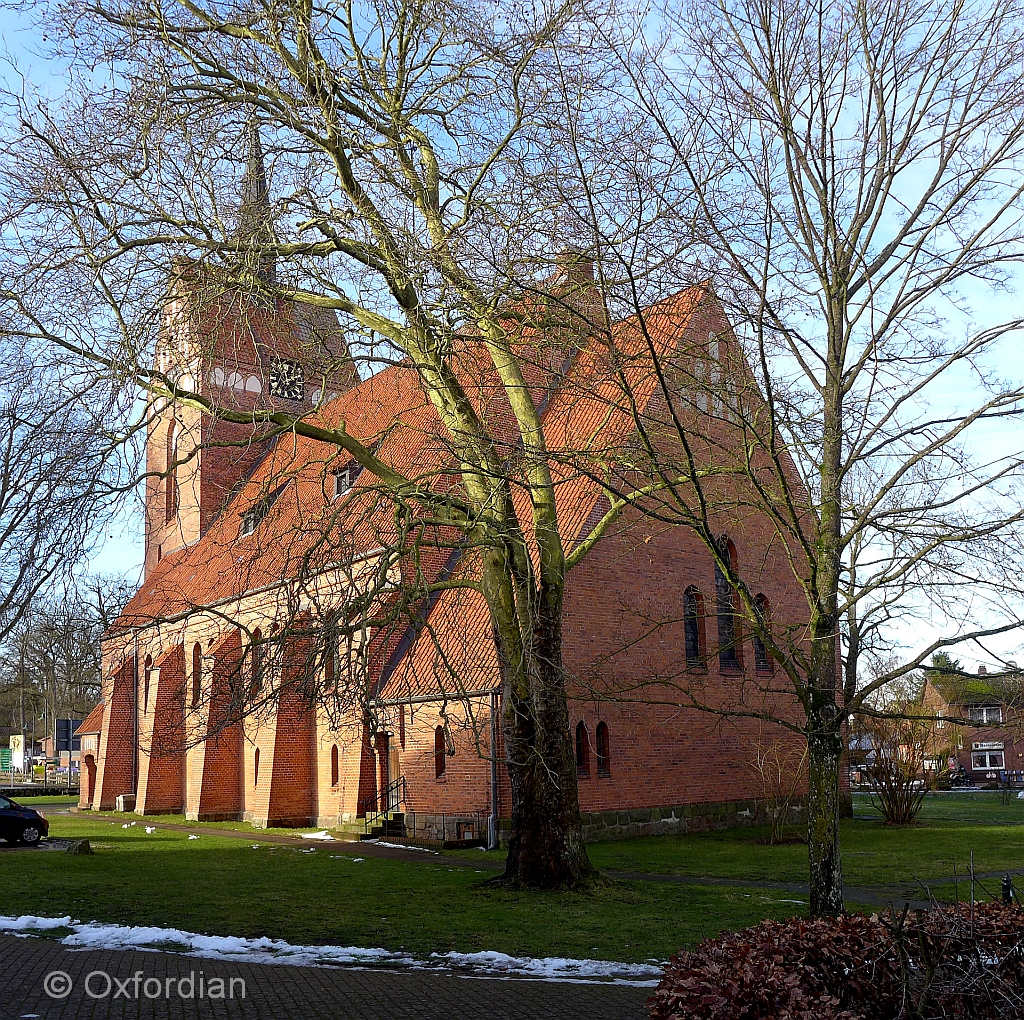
[236, 335]
[292, 780]
[339, 802]
[161, 737]
[284, 790]
[87, 781]
[214, 764]
[624, 650]
[116, 768]
[465, 785]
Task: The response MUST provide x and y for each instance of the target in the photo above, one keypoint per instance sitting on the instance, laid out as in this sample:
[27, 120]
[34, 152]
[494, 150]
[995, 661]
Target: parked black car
[20, 824]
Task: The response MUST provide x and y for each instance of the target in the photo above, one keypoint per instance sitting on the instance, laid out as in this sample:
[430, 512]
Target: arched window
[693, 626]
[440, 762]
[255, 768]
[707, 376]
[762, 661]
[197, 673]
[582, 749]
[171, 471]
[730, 653]
[256, 651]
[604, 767]
[147, 668]
[334, 765]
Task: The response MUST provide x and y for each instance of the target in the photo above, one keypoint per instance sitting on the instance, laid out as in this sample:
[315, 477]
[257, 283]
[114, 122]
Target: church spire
[255, 216]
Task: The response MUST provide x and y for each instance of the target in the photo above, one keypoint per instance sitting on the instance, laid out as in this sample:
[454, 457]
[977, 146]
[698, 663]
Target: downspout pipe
[493, 828]
[135, 739]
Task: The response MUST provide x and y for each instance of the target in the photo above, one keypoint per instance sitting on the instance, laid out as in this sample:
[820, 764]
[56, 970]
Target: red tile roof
[306, 528]
[93, 722]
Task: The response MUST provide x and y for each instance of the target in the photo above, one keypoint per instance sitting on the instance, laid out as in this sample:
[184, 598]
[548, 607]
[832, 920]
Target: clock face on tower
[287, 379]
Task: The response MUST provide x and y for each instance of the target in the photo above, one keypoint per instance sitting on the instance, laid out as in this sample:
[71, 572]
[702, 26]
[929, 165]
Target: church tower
[238, 349]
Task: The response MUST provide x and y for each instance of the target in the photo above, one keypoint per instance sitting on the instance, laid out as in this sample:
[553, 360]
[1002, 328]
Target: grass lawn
[219, 885]
[873, 854]
[53, 805]
[44, 802]
[956, 807]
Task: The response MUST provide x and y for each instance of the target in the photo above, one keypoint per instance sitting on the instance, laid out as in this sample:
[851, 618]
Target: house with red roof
[308, 649]
[982, 715]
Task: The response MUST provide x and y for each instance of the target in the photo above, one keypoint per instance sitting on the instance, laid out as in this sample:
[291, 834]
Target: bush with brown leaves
[958, 961]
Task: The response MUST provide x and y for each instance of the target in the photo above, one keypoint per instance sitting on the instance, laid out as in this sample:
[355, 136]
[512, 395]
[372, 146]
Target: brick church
[231, 692]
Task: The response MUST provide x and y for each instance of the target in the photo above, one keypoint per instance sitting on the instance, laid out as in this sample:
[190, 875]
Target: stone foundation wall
[660, 821]
[440, 827]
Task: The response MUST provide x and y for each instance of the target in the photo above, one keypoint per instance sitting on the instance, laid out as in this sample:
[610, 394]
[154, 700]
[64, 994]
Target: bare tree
[856, 172]
[50, 660]
[416, 142]
[58, 478]
[909, 750]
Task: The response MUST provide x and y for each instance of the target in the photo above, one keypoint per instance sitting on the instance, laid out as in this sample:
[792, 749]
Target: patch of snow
[96, 935]
[356, 860]
[554, 968]
[29, 923]
[192, 835]
[323, 834]
[401, 846]
[150, 829]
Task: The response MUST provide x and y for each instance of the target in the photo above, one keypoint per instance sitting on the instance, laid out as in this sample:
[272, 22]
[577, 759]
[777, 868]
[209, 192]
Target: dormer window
[254, 516]
[346, 477]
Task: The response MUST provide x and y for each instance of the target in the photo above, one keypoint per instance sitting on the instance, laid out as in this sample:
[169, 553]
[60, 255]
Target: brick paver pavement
[282, 993]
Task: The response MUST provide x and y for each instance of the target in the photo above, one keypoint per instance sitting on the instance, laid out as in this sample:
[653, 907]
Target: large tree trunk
[824, 721]
[546, 849]
[824, 751]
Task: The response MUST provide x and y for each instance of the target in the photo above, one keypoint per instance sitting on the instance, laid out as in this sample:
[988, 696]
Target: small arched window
[197, 673]
[171, 471]
[762, 661]
[334, 765]
[582, 749]
[440, 761]
[255, 768]
[693, 626]
[730, 652]
[256, 651]
[147, 669]
[604, 767]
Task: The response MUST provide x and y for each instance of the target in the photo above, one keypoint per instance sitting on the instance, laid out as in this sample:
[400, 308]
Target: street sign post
[67, 741]
[66, 735]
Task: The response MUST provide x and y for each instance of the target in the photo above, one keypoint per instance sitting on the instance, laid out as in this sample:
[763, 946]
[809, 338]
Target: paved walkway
[274, 992]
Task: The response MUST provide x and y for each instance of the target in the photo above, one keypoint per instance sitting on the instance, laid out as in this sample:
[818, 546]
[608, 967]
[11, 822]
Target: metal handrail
[393, 793]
